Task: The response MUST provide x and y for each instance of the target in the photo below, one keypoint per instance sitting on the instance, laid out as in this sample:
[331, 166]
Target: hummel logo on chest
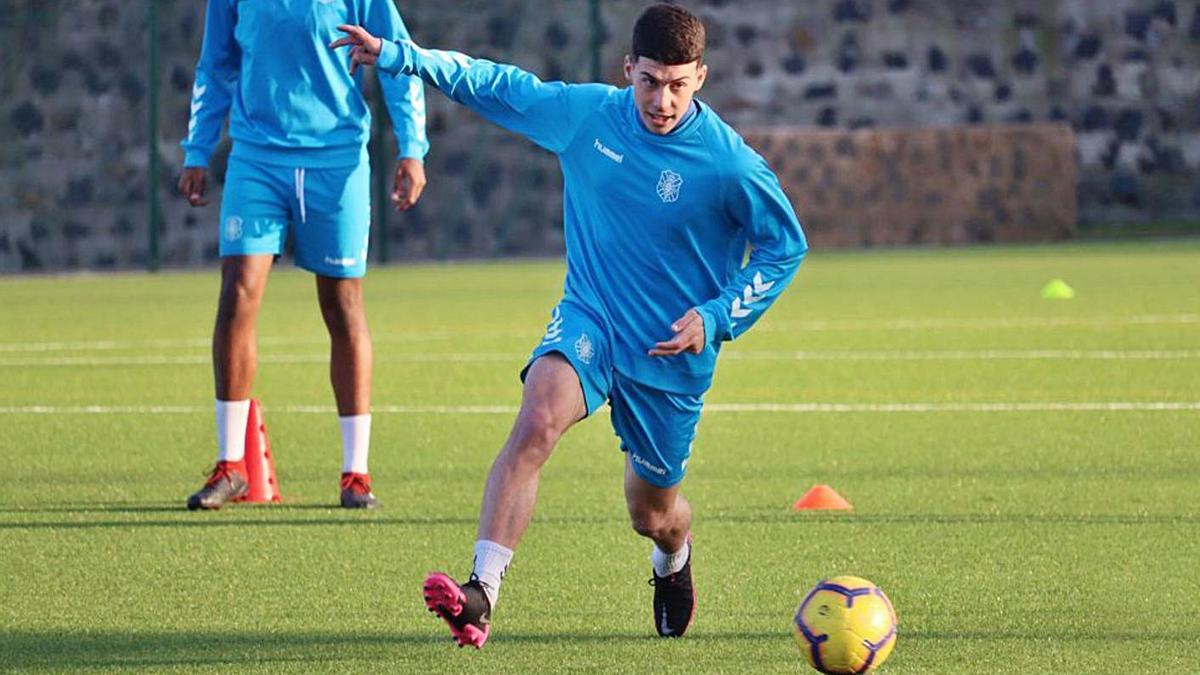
[608, 152]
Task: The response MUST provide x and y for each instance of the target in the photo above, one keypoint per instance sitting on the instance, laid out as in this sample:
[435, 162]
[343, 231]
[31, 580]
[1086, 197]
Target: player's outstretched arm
[548, 113]
[755, 199]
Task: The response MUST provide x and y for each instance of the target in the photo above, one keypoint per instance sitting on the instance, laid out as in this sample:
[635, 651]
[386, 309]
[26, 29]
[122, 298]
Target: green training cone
[1057, 290]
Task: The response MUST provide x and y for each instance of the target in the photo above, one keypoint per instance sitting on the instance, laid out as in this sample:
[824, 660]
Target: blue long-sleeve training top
[290, 99]
[654, 225]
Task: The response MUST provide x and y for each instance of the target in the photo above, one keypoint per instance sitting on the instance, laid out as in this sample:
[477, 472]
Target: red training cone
[260, 466]
[821, 498]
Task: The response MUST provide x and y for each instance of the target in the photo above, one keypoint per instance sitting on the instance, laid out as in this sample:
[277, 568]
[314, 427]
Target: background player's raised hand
[689, 336]
[410, 181]
[192, 184]
[365, 47]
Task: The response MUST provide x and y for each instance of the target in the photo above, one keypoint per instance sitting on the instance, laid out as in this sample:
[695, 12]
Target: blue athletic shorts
[328, 211]
[656, 427]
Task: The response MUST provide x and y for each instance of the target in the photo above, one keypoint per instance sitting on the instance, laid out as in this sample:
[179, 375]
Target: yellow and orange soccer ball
[845, 625]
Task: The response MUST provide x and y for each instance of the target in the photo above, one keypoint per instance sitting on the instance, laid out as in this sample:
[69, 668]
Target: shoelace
[356, 482]
[666, 581]
[219, 471]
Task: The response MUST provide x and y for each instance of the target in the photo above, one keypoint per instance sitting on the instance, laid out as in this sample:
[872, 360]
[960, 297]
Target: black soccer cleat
[674, 599]
[356, 492]
[465, 609]
[226, 482]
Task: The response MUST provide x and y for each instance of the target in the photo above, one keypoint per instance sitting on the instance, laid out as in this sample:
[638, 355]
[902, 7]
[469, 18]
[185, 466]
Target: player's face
[663, 93]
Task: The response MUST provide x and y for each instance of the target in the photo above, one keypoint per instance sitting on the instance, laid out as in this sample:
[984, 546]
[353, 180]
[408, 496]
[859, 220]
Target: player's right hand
[192, 184]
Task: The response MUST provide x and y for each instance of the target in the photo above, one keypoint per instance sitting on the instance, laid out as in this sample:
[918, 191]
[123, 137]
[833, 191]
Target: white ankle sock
[669, 563]
[231, 430]
[491, 560]
[356, 442]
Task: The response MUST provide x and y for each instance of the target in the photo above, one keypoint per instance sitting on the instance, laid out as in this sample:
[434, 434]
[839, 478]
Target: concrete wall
[1124, 75]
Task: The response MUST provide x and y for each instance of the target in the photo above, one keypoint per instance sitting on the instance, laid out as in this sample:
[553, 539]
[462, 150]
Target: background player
[299, 125]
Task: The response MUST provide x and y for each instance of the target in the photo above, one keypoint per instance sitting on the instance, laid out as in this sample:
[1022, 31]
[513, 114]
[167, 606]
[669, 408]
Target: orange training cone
[821, 498]
[260, 466]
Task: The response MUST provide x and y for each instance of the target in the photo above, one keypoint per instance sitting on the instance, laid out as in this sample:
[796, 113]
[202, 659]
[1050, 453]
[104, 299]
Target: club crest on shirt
[233, 228]
[584, 349]
[668, 185]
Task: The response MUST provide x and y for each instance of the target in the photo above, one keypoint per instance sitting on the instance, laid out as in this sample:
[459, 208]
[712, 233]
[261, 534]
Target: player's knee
[342, 308]
[240, 295]
[650, 523]
[538, 430]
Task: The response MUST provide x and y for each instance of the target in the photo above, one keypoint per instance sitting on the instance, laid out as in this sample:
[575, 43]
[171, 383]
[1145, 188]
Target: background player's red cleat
[356, 491]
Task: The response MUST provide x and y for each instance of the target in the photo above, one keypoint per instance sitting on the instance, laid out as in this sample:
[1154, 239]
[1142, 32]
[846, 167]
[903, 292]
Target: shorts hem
[589, 409]
[650, 477]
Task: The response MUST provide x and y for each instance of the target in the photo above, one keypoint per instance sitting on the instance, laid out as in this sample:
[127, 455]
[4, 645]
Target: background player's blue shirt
[290, 99]
[655, 225]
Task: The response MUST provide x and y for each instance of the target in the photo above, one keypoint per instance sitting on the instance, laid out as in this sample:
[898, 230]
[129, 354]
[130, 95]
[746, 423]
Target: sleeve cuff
[389, 59]
[713, 332]
[194, 159]
[411, 149]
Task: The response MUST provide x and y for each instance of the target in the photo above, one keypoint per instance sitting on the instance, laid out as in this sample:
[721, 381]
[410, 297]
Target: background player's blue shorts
[328, 210]
[656, 427]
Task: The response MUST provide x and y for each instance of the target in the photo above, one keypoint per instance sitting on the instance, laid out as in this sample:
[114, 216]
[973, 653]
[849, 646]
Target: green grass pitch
[1025, 474]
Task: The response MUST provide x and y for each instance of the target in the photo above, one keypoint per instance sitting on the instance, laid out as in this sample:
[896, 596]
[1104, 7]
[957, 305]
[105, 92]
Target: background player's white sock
[356, 442]
[231, 430]
[669, 563]
[491, 559]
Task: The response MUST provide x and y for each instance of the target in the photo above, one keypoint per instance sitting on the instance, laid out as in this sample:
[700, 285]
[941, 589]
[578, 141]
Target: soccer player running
[661, 198]
[299, 125]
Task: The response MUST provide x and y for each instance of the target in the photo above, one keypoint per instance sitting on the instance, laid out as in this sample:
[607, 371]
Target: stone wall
[1124, 75]
[958, 184]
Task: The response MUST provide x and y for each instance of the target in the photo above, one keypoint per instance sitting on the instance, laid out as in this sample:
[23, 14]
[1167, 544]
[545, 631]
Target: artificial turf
[1024, 474]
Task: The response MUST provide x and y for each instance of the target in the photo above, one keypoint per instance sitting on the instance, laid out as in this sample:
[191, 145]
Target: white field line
[1015, 322]
[533, 332]
[1018, 407]
[968, 355]
[175, 343]
[742, 355]
[163, 360]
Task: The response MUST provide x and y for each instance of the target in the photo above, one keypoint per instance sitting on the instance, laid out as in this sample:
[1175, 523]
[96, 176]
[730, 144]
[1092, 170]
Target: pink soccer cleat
[464, 608]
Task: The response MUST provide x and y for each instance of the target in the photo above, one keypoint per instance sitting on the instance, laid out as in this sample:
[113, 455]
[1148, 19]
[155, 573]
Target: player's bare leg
[350, 362]
[665, 517]
[551, 402]
[235, 338]
[235, 361]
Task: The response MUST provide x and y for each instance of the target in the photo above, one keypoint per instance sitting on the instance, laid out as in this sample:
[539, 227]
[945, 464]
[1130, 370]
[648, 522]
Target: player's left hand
[410, 181]
[689, 336]
[365, 49]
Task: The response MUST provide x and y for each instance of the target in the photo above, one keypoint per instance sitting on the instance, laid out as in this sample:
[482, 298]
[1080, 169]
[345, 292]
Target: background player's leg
[234, 345]
[350, 354]
[235, 360]
[350, 361]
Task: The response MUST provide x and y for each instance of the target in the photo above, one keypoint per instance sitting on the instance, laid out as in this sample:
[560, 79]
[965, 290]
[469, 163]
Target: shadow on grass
[203, 521]
[1065, 636]
[32, 650]
[163, 507]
